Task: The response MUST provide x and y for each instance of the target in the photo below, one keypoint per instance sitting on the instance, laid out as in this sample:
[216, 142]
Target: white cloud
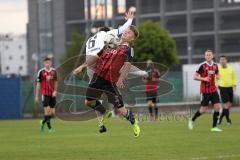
[13, 17]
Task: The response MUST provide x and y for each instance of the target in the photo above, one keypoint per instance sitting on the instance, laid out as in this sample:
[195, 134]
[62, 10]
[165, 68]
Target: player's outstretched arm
[129, 17]
[89, 61]
[135, 71]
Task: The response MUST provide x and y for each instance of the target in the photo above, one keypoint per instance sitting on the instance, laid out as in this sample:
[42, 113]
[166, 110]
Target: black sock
[222, 115]
[227, 115]
[156, 112]
[130, 117]
[49, 123]
[99, 107]
[196, 115]
[45, 119]
[215, 118]
[150, 111]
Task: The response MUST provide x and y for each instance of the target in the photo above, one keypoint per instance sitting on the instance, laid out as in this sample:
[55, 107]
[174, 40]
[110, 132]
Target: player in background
[207, 73]
[227, 84]
[47, 85]
[107, 79]
[151, 89]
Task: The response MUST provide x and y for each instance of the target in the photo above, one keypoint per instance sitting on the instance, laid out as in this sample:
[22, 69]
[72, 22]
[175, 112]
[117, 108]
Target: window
[100, 10]
[7, 68]
[202, 4]
[20, 47]
[20, 68]
[229, 20]
[176, 5]
[6, 47]
[151, 6]
[200, 43]
[203, 22]
[22, 57]
[177, 24]
[10, 57]
[121, 6]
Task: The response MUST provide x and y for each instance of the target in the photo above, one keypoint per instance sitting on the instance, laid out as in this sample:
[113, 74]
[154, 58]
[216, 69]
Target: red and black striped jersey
[111, 61]
[150, 84]
[47, 78]
[208, 70]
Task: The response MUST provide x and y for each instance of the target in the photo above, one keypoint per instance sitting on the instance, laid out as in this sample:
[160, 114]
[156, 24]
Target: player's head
[223, 60]
[149, 63]
[130, 34]
[47, 62]
[104, 28]
[208, 55]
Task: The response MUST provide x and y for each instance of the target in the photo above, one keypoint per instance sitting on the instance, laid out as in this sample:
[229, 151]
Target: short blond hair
[209, 50]
[135, 31]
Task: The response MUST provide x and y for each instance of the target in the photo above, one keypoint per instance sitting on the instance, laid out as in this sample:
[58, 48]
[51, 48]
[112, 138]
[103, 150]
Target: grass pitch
[164, 140]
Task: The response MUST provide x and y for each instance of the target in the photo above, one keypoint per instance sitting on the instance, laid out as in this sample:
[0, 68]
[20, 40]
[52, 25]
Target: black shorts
[152, 96]
[226, 94]
[207, 97]
[48, 101]
[98, 86]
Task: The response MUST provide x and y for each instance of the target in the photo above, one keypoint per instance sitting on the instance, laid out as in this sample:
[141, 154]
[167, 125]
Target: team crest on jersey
[211, 72]
[48, 78]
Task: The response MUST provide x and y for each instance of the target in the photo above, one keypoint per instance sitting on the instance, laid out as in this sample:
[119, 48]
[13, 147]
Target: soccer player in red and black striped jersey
[207, 73]
[151, 89]
[112, 68]
[47, 84]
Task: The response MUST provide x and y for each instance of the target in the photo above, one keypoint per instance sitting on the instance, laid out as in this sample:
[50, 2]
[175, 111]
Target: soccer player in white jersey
[97, 42]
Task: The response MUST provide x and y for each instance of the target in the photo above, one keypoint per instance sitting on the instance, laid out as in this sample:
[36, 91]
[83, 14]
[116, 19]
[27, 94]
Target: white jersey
[96, 43]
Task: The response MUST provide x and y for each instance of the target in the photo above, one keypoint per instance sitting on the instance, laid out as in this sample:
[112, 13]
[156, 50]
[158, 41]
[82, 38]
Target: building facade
[13, 52]
[195, 25]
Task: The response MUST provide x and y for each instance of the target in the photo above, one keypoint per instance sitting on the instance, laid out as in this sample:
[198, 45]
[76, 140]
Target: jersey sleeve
[157, 73]
[234, 78]
[55, 77]
[217, 70]
[39, 76]
[199, 69]
[121, 29]
[129, 57]
[115, 32]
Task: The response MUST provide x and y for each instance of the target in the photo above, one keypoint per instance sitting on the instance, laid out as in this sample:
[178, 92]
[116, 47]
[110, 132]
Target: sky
[13, 16]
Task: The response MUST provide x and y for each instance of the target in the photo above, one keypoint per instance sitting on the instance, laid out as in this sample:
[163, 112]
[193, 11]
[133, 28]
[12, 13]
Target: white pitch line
[217, 157]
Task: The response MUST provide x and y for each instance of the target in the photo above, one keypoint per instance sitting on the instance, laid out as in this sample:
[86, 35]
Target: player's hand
[78, 70]
[36, 99]
[206, 79]
[120, 83]
[54, 93]
[129, 15]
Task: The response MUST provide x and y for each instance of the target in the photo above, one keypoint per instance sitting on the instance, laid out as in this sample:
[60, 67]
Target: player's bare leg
[150, 108]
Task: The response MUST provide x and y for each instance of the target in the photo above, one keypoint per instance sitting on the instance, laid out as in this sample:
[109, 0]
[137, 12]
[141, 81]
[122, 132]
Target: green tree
[155, 42]
[75, 47]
